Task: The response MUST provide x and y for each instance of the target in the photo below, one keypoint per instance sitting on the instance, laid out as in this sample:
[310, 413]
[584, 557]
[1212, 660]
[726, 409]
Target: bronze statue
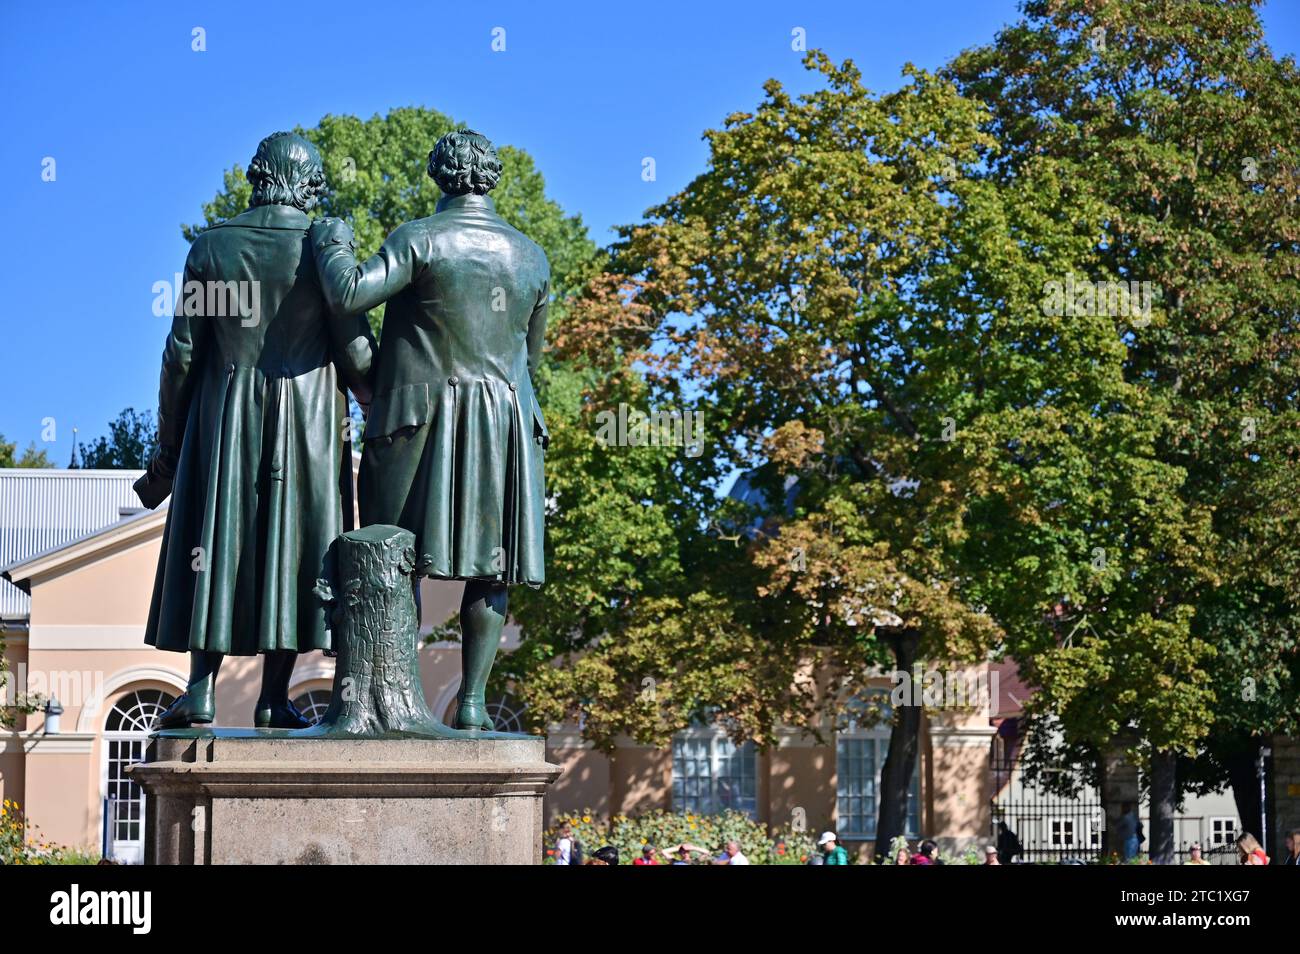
[251, 432]
[454, 438]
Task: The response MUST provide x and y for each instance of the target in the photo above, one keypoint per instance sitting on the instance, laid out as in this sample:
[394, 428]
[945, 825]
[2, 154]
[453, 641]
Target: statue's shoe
[185, 712]
[471, 716]
[279, 715]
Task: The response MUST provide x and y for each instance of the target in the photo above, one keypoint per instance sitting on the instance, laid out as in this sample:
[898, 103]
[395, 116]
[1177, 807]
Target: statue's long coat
[253, 407]
[455, 437]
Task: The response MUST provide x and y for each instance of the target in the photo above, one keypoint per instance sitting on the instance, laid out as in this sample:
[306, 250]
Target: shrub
[21, 842]
[663, 829]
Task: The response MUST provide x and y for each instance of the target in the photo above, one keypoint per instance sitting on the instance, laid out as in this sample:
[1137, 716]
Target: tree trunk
[1245, 787]
[377, 688]
[904, 744]
[1164, 798]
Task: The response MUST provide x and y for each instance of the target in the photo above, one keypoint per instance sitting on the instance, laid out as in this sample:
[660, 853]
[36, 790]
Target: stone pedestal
[249, 797]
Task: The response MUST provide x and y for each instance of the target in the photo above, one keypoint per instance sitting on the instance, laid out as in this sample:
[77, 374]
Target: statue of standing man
[454, 438]
[252, 426]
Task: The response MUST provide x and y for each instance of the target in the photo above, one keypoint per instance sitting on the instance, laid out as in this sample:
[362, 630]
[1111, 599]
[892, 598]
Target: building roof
[42, 510]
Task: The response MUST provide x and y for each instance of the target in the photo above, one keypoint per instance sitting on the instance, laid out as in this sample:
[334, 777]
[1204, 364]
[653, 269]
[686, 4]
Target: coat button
[453, 381]
[230, 368]
[513, 386]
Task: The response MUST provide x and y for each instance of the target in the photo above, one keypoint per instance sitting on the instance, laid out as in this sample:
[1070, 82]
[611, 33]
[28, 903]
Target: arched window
[126, 730]
[136, 711]
[313, 703]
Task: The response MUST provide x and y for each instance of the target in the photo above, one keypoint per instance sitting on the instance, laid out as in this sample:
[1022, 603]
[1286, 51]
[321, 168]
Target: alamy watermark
[946, 689]
[84, 688]
[630, 427]
[211, 299]
[1077, 297]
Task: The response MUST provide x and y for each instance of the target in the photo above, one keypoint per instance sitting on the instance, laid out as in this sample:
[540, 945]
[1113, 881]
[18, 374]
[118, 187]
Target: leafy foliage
[663, 830]
[1178, 124]
[21, 842]
[31, 457]
[131, 441]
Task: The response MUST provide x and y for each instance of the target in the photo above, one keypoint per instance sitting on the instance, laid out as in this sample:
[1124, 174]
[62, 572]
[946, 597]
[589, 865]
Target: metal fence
[1053, 828]
[1045, 827]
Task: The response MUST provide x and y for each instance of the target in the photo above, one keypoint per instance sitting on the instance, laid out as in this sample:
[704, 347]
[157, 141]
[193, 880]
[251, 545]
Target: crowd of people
[569, 851]
[1249, 850]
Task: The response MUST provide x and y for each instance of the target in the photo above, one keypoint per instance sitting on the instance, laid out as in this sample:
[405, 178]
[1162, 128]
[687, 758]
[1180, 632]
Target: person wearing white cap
[833, 853]
[991, 855]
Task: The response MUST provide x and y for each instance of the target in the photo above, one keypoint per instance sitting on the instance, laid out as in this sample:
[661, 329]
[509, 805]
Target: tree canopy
[31, 457]
[1009, 354]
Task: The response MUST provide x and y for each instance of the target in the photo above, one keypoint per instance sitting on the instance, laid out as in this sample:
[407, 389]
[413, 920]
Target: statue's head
[286, 170]
[464, 162]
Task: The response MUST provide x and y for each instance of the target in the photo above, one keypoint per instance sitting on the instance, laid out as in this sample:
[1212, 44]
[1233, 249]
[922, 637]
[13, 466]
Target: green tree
[130, 443]
[31, 457]
[785, 280]
[1179, 122]
[862, 311]
[629, 636]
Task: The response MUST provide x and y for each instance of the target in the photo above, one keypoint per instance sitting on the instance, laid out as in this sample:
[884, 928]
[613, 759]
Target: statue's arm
[182, 356]
[537, 329]
[350, 286]
[354, 350]
[183, 353]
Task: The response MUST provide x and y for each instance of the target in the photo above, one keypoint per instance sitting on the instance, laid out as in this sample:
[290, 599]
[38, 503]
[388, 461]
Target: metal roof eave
[21, 572]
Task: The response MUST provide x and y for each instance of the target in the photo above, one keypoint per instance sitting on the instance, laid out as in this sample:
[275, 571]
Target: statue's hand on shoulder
[331, 231]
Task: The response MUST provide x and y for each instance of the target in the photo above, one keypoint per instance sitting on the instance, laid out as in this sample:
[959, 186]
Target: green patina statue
[252, 442]
[454, 437]
[253, 429]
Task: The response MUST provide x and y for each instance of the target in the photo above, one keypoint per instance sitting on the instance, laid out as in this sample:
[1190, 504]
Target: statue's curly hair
[464, 161]
[286, 170]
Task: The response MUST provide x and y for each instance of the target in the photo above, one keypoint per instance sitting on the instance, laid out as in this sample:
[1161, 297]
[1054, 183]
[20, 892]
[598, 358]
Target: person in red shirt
[647, 856]
[1250, 851]
[926, 854]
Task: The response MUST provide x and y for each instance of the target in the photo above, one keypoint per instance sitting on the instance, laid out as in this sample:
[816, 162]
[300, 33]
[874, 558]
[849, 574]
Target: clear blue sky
[141, 128]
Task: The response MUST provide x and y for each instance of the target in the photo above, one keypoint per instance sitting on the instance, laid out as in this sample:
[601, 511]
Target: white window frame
[721, 751]
[1095, 826]
[878, 737]
[1061, 833]
[128, 851]
[1218, 838]
[317, 699]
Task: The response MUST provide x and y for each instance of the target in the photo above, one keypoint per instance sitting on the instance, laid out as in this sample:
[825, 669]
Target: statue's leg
[197, 704]
[274, 710]
[482, 618]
